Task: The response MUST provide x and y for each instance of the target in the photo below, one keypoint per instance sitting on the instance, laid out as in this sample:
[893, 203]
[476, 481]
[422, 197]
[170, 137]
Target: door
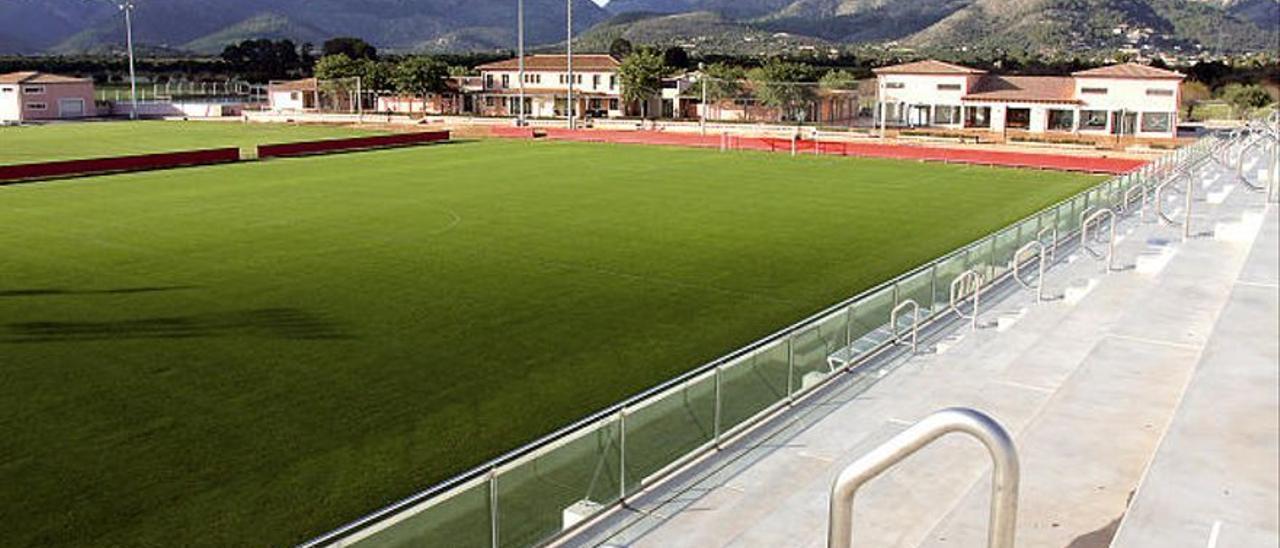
[1123, 123]
[70, 108]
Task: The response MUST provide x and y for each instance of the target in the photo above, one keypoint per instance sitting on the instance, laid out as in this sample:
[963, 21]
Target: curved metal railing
[1005, 478]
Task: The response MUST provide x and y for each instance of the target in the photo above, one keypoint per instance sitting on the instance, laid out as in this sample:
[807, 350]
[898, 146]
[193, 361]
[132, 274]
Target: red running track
[1114, 166]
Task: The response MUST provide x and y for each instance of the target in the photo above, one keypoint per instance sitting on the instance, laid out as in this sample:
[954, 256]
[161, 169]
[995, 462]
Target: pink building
[32, 96]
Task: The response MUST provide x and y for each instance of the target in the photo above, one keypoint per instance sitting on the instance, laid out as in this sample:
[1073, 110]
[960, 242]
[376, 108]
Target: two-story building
[597, 91]
[1122, 100]
[34, 96]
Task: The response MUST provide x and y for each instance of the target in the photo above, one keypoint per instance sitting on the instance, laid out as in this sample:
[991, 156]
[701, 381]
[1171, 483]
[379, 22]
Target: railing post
[716, 413]
[1005, 476]
[493, 506]
[791, 364]
[622, 454]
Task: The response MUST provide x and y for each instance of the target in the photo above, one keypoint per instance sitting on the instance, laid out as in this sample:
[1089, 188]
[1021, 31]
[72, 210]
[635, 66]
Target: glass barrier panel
[1028, 230]
[752, 384]
[669, 427]
[979, 257]
[540, 497]
[948, 270]
[919, 288]
[871, 321]
[460, 519]
[1006, 245]
[813, 345]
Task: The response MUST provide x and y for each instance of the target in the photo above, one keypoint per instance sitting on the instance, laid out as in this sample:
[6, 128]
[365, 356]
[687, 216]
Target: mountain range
[710, 26]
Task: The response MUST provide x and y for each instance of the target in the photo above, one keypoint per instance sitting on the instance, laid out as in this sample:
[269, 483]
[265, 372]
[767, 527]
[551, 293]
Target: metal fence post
[493, 506]
[622, 454]
[715, 419]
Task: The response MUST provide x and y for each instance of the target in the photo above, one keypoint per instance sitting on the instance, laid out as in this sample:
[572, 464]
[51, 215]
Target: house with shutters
[597, 91]
[1125, 100]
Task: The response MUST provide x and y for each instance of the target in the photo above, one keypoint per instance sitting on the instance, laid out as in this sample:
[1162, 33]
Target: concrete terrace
[1143, 401]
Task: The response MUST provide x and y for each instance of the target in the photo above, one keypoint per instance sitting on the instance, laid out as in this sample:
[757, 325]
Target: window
[294, 96]
[33, 90]
[894, 85]
[489, 101]
[1093, 91]
[977, 117]
[1093, 119]
[564, 79]
[948, 87]
[1156, 122]
[595, 81]
[577, 78]
[488, 81]
[613, 104]
[506, 80]
[1155, 92]
[6, 89]
[1061, 120]
[943, 114]
[613, 82]
[1017, 118]
[37, 106]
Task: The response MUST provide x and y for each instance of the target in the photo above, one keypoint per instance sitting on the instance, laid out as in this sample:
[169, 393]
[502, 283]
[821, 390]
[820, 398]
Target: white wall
[922, 89]
[286, 100]
[593, 81]
[1130, 95]
[10, 101]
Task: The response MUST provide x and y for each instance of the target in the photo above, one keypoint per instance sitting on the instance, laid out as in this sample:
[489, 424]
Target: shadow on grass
[272, 323]
[55, 292]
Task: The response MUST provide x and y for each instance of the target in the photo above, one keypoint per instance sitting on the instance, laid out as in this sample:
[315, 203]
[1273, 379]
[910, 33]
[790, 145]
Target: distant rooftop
[1043, 89]
[33, 77]
[557, 63]
[1130, 70]
[928, 67]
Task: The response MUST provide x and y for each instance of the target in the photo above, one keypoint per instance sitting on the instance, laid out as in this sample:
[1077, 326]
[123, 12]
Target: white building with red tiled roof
[33, 96]
[597, 90]
[1127, 99]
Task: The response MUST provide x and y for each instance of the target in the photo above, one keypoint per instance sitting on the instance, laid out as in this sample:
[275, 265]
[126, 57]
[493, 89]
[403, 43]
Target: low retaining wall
[306, 148]
[95, 166]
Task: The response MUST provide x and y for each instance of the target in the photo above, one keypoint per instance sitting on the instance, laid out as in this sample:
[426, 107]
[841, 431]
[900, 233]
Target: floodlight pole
[520, 121]
[569, 58]
[127, 7]
[703, 76]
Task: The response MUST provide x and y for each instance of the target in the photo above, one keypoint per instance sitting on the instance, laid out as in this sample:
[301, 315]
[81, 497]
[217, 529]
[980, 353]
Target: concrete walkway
[1088, 383]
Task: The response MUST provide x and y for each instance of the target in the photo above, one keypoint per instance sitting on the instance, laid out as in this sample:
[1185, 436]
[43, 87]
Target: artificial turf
[69, 141]
[252, 354]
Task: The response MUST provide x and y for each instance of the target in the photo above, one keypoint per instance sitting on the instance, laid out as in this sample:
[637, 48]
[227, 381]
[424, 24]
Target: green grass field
[91, 140]
[253, 354]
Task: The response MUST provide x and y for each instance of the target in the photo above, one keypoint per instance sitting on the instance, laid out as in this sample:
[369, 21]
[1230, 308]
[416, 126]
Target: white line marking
[900, 422]
[1172, 344]
[1031, 387]
[1213, 534]
[1266, 285]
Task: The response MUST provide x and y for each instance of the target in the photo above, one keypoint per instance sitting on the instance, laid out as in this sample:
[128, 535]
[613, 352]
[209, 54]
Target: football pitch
[72, 141]
[254, 353]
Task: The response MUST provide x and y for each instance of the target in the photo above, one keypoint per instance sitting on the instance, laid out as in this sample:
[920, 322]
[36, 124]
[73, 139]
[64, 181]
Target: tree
[721, 82]
[375, 75]
[1194, 92]
[420, 76]
[263, 60]
[620, 48]
[352, 47]
[1244, 98]
[675, 57]
[838, 80]
[785, 86]
[641, 77]
[338, 66]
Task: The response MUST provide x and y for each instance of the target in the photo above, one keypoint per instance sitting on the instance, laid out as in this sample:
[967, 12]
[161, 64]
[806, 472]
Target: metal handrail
[1110, 256]
[1164, 217]
[915, 321]
[962, 283]
[1005, 478]
[1039, 248]
[1128, 199]
[1240, 174]
[1053, 248]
